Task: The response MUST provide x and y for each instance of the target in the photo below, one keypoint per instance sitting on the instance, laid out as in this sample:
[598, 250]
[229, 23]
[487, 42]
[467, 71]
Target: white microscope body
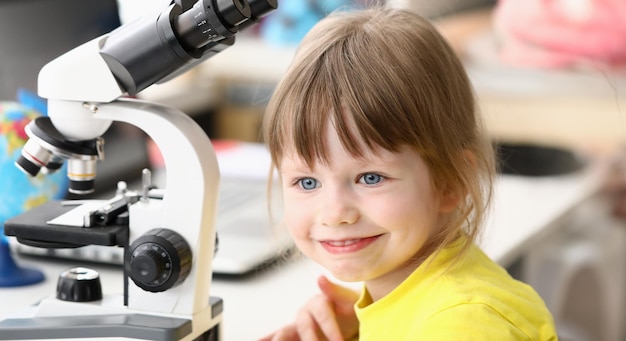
[171, 236]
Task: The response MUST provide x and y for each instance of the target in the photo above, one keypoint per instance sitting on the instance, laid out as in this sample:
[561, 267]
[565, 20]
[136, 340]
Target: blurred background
[549, 78]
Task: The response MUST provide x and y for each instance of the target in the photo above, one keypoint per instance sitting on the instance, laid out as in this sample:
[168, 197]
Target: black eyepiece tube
[209, 21]
[155, 49]
[144, 51]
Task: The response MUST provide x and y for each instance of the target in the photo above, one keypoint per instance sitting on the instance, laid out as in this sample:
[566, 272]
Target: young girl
[386, 176]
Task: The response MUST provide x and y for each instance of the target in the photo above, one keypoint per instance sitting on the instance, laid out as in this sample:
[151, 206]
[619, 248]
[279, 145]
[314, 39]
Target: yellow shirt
[475, 299]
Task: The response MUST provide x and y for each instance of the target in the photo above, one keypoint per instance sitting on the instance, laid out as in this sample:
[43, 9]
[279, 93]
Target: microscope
[168, 234]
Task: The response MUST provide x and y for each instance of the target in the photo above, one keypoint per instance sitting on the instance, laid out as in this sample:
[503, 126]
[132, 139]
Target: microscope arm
[188, 205]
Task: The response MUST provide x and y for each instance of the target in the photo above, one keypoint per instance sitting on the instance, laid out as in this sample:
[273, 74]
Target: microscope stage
[32, 228]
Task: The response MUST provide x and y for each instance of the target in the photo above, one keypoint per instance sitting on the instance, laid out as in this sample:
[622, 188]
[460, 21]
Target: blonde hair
[402, 85]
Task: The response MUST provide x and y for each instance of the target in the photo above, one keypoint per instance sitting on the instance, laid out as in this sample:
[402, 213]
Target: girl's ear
[453, 194]
[450, 198]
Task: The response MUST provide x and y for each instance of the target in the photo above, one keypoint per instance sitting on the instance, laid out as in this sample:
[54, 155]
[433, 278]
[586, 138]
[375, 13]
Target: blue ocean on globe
[20, 192]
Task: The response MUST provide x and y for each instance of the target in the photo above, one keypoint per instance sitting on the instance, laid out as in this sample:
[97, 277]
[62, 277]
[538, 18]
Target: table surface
[525, 208]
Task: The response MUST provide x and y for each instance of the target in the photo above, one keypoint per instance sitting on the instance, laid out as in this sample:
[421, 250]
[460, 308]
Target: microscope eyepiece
[259, 9]
[262, 7]
[213, 20]
[233, 12]
[209, 21]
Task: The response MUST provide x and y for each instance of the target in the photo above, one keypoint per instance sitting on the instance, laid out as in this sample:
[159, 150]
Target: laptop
[248, 226]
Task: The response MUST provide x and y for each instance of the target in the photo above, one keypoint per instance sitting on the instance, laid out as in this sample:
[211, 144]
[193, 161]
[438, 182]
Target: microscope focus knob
[158, 260]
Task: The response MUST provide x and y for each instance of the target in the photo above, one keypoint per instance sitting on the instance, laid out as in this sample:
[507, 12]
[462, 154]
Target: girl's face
[363, 219]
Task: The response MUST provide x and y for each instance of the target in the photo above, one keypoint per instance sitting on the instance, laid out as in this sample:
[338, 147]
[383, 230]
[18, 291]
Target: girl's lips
[347, 245]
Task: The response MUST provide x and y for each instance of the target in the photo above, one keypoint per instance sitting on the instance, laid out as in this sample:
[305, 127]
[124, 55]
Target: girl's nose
[339, 208]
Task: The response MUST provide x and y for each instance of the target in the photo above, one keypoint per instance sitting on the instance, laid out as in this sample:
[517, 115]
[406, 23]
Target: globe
[20, 192]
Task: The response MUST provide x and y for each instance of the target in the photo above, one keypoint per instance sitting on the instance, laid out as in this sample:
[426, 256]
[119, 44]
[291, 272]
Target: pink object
[561, 33]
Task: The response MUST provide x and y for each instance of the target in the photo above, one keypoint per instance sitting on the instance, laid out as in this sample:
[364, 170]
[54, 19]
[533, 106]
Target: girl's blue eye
[308, 183]
[370, 178]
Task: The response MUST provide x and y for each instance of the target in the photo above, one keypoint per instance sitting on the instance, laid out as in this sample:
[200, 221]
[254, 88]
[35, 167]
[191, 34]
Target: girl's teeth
[343, 242]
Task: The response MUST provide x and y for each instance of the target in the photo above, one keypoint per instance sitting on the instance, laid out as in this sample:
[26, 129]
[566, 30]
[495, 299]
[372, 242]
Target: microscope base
[133, 326]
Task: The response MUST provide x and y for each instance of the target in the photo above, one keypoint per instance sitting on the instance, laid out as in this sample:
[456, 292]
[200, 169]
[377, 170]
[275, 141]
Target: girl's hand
[327, 316]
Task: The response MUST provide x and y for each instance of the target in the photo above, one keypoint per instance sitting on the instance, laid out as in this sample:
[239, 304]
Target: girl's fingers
[287, 333]
[317, 321]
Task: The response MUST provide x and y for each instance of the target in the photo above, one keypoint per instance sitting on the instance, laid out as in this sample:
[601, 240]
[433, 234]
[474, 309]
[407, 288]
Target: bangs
[337, 88]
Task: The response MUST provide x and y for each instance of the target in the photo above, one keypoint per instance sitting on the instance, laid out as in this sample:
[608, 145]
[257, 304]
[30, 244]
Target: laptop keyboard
[234, 195]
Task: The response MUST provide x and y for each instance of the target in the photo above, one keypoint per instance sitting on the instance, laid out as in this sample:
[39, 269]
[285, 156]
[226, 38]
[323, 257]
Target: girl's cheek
[298, 225]
[292, 221]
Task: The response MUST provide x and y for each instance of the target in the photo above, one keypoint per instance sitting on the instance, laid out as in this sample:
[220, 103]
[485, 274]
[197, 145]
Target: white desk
[525, 209]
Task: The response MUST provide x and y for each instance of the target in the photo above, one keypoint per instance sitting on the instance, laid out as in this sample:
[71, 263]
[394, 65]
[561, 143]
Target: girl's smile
[347, 245]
